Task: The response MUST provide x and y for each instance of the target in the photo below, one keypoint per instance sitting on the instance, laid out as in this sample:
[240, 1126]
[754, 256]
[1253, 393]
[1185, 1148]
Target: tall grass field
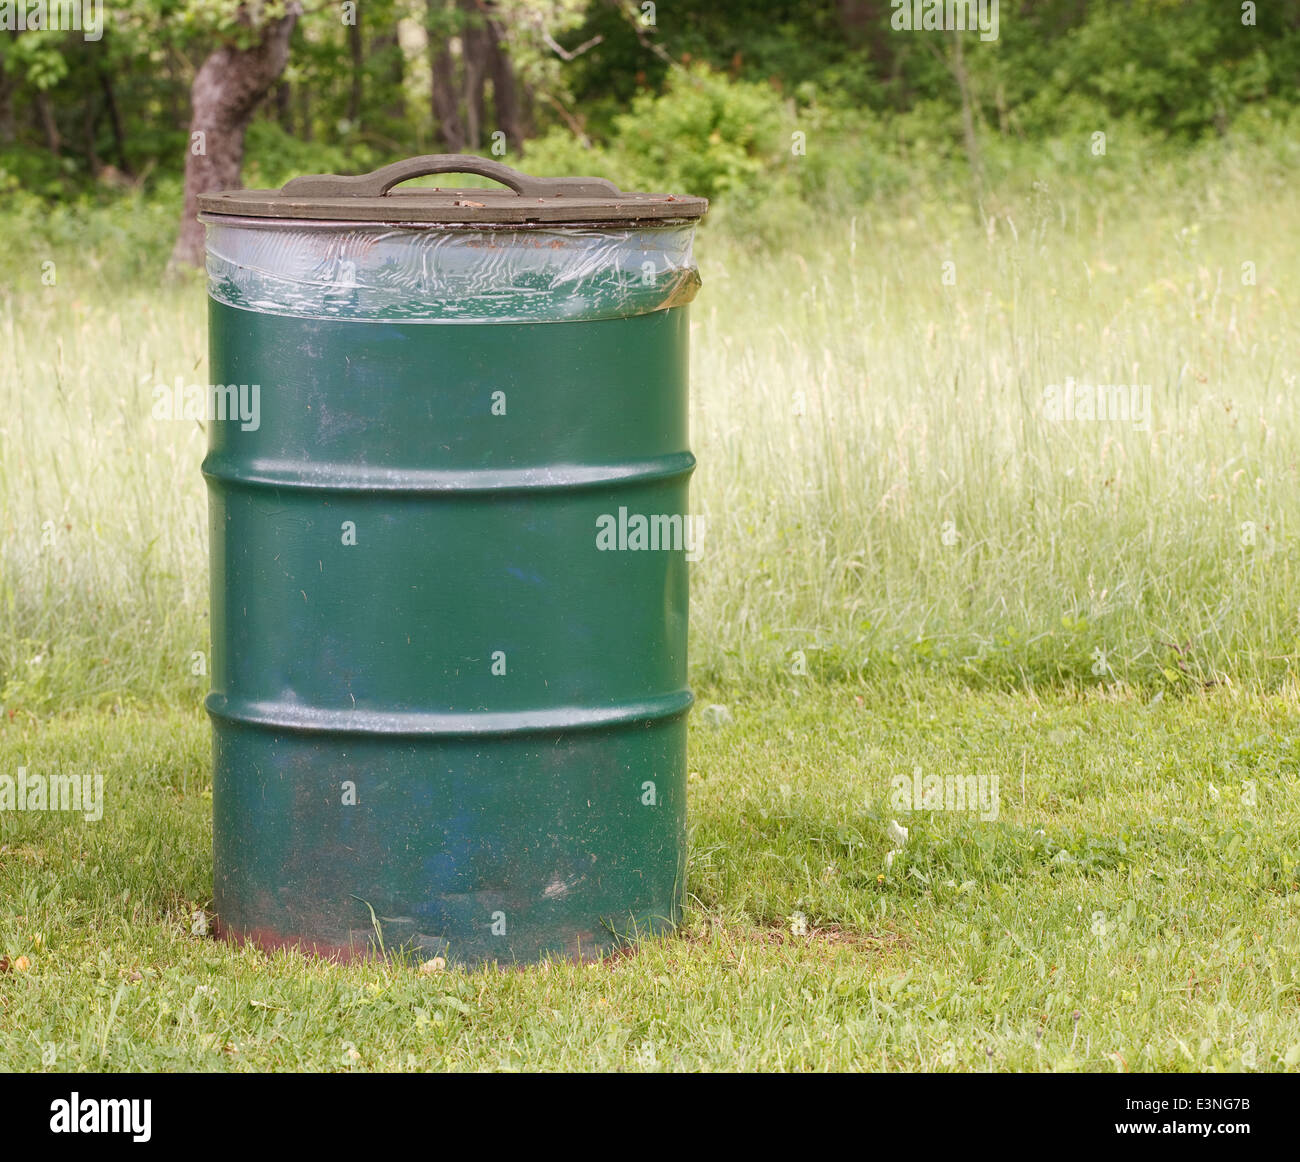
[932, 543]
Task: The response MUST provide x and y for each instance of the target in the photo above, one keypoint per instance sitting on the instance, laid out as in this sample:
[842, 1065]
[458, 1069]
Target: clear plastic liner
[442, 275]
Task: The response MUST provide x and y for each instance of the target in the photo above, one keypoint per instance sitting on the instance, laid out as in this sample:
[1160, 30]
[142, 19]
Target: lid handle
[378, 183]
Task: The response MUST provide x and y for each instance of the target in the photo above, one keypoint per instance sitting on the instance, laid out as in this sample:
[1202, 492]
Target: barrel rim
[209, 217]
[296, 718]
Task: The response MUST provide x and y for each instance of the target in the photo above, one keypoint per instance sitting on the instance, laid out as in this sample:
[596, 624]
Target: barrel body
[449, 627]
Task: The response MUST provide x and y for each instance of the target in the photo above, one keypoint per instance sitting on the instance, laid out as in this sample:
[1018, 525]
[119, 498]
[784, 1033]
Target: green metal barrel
[449, 527]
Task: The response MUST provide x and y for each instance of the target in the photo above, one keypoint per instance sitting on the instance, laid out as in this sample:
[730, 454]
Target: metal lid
[366, 197]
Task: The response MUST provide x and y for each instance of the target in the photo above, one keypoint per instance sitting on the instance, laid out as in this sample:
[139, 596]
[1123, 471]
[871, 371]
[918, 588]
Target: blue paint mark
[521, 575]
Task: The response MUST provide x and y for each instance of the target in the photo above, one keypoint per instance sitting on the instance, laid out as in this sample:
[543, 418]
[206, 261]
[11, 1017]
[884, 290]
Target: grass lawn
[912, 562]
[1130, 907]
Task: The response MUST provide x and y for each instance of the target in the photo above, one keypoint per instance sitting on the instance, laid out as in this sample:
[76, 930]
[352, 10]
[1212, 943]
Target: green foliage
[272, 156]
[705, 134]
[1181, 67]
[26, 171]
[706, 101]
[37, 56]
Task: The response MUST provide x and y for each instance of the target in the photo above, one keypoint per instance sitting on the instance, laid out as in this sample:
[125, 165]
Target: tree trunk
[957, 63]
[115, 123]
[386, 48]
[306, 128]
[88, 126]
[446, 107]
[527, 108]
[175, 115]
[284, 106]
[357, 50]
[229, 86]
[864, 23]
[505, 90]
[474, 53]
[6, 105]
[49, 126]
